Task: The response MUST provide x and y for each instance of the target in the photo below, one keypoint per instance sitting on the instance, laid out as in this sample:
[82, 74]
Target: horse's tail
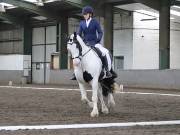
[109, 85]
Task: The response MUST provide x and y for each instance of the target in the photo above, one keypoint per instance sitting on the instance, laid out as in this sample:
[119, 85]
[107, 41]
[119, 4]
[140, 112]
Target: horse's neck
[85, 48]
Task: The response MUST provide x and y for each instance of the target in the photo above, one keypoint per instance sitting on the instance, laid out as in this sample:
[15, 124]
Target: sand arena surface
[26, 106]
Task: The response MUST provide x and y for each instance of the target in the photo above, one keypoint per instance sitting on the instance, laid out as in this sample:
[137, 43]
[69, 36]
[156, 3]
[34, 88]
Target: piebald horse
[88, 69]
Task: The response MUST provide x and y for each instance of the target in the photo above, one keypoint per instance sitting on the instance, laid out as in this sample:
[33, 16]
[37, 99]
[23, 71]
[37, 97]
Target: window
[119, 62]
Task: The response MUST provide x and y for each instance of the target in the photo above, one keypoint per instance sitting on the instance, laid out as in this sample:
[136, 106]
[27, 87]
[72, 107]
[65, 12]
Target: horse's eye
[70, 40]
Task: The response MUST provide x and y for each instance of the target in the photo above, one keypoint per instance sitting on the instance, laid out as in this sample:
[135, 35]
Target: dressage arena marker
[10, 83]
[121, 87]
[97, 125]
[65, 89]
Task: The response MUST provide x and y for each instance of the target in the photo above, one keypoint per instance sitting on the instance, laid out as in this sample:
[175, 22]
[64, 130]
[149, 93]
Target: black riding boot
[73, 77]
[104, 61]
[105, 65]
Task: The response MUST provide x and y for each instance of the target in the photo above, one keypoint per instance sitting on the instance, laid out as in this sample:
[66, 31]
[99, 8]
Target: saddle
[99, 53]
[104, 63]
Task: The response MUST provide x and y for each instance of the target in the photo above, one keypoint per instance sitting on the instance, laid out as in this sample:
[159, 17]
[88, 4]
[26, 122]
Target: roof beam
[12, 19]
[155, 4]
[119, 2]
[33, 8]
[78, 3]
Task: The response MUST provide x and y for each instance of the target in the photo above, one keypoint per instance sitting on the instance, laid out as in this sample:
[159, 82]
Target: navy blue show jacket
[91, 34]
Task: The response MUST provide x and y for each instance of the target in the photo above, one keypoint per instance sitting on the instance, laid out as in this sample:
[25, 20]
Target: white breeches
[103, 49]
[105, 52]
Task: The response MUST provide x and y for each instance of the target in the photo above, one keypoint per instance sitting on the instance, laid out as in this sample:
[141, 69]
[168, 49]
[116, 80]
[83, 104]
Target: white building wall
[11, 62]
[174, 45]
[137, 39]
[145, 42]
[15, 62]
[123, 38]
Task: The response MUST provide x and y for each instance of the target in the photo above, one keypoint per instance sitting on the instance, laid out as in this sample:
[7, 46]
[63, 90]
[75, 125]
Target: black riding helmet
[87, 9]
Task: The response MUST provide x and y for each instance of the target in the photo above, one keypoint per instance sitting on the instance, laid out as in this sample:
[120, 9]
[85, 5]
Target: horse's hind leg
[104, 108]
[111, 102]
[84, 98]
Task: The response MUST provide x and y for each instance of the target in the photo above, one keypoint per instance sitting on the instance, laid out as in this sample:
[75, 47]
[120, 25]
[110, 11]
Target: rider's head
[87, 12]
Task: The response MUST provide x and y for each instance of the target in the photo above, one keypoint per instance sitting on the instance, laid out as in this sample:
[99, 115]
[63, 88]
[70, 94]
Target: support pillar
[27, 46]
[27, 50]
[63, 46]
[108, 27]
[58, 36]
[164, 35]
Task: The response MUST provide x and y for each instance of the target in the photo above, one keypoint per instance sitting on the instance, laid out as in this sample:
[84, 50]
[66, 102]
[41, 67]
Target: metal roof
[23, 10]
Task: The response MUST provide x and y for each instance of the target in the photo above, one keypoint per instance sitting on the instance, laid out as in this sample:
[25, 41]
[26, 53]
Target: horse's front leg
[84, 98]
[95, 87]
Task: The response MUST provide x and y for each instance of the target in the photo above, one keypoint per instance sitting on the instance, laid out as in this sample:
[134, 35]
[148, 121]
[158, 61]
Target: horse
[88, 69]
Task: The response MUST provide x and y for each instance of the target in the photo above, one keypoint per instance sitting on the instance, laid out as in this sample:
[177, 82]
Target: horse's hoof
[94, 114]
[111, 104]
[105, 110]
[84, 100]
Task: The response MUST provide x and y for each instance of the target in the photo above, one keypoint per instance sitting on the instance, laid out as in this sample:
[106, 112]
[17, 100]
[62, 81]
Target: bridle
[80, 56]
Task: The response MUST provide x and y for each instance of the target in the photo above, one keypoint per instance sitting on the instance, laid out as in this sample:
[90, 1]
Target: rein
[80, 51]
[80, 56]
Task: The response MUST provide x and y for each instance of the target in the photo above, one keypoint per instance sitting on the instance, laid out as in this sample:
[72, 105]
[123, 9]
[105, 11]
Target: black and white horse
[88, 69]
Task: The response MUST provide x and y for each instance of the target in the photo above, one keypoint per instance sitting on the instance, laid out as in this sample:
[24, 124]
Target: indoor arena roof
[16, 11]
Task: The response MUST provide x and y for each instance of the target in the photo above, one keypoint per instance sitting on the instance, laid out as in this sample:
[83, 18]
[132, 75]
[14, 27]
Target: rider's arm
[99, 31]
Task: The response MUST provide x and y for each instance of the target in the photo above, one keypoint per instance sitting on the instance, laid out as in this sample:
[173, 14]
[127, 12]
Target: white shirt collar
[88, 21]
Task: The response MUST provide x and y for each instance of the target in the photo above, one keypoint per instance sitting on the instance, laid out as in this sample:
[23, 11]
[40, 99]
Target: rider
[92, 35]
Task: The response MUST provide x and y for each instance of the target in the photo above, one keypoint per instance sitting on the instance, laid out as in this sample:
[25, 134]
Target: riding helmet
[87, 9]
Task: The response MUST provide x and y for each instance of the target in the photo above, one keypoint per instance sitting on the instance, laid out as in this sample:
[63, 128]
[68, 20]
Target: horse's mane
[79, 39]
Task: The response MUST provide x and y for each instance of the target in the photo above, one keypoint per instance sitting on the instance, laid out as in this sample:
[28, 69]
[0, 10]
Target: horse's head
[74, 46]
